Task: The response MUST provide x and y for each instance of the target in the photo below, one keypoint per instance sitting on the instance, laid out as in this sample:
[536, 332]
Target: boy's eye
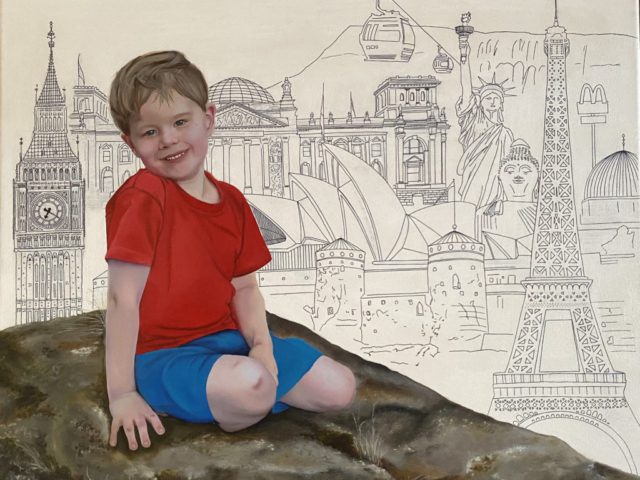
[181, 122]
[149, 132]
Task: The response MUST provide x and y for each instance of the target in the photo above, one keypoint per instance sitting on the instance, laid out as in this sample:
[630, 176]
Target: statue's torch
[463, 32]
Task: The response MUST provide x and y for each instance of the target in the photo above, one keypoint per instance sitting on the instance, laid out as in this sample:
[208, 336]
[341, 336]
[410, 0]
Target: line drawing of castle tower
[49, 213]
[559, 370]
[339, 285]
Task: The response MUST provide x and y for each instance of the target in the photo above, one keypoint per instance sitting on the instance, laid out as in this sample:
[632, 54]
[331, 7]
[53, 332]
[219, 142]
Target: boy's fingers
[141, 423]
[155, 423]
[130, 433]
[113, 438]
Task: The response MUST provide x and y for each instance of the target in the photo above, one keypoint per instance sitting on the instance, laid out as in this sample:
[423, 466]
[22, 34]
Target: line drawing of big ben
[48, 212]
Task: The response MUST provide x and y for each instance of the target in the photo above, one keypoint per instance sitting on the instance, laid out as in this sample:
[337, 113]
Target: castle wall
[396, 319]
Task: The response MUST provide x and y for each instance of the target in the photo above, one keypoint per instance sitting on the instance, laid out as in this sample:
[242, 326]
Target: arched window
[341, 143]
[413, 96]
[321, 172]
[84, 105]
[125, 155]
[376, 149]
[420, 309]
[60, 278]
[106, 183]
[357, 150]
[455, 282]
[402, 97]
[423, 96]
[305, 168]
[413, 145]
[106, 153]
[306, 149]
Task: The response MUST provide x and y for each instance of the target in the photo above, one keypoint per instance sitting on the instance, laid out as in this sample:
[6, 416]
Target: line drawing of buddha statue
[512, 213]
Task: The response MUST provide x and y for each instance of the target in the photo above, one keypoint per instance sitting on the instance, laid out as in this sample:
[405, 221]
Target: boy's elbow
[122, 300]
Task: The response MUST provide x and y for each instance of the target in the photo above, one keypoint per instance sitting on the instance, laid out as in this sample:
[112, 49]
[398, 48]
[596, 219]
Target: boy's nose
[168, 138]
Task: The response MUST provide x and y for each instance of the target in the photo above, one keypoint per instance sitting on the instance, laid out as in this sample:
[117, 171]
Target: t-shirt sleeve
[254, 253]
[133, 227]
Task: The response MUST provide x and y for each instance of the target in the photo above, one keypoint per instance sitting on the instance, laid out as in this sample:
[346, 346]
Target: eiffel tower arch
[559, 370]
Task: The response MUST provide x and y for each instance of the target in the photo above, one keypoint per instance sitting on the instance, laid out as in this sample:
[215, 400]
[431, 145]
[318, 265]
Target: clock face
[48, 211]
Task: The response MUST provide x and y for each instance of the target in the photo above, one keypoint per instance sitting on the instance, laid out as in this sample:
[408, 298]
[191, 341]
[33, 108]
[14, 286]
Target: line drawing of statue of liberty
[484, 137]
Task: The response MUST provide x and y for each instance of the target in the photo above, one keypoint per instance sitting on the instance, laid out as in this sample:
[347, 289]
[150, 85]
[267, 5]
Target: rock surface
[54, 424]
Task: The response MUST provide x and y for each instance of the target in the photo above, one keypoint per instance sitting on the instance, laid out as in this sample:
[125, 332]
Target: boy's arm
[128, 408]
[248, 306]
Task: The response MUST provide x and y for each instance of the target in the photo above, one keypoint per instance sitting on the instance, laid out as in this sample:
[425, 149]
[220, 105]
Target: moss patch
[21, 460]
[29, 399]
[340, 441]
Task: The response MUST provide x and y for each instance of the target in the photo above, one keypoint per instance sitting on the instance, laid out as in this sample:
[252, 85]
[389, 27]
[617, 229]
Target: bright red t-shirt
[194, 250]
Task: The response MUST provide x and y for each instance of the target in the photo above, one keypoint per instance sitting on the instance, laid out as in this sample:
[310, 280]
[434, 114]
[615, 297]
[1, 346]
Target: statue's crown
[493, 86]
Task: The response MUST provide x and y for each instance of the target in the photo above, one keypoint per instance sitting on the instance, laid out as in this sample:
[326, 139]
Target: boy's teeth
[175, 156]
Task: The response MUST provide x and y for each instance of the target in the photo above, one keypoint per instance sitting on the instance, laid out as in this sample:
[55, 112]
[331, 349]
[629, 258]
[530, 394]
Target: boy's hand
[264, 353]
[129, 411]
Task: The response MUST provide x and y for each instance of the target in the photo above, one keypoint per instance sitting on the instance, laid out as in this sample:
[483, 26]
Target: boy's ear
[210, 113]
[126, 139]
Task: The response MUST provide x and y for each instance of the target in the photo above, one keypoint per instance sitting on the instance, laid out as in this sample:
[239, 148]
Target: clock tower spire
[48, 213]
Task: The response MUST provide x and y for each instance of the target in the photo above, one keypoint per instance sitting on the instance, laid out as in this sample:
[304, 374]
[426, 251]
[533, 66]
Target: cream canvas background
[270, 40]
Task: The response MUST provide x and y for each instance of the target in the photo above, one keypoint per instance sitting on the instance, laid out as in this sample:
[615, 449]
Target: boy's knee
[340, 393]
[344, 392]
[252, 386]
[252, 376]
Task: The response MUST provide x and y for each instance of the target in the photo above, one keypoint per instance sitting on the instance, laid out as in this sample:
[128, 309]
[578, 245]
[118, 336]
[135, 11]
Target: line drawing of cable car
[442, 63]
[387, 37]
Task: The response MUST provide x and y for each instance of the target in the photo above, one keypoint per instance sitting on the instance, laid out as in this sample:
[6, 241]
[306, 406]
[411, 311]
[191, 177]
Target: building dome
[241, 90]
[340, 244]
[454, 237]
[615, 176]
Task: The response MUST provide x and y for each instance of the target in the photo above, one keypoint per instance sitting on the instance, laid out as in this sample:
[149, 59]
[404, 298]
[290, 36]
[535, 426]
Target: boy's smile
[171, 138]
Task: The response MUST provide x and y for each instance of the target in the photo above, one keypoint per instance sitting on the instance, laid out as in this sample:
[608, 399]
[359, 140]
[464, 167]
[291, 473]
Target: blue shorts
[174, 380]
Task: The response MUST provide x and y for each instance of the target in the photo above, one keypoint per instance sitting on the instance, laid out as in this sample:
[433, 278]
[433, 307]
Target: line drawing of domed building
[611, 202]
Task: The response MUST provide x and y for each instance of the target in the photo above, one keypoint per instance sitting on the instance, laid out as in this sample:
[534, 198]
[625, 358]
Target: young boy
[186, 327]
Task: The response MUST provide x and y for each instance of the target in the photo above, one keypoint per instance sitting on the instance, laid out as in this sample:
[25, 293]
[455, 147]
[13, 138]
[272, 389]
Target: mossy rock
[54, 424]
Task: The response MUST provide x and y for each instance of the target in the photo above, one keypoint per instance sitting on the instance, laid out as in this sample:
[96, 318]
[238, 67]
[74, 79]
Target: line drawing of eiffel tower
[559, 371]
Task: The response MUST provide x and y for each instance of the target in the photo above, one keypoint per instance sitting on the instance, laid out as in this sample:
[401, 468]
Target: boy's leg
[327, 386]
[240, 391]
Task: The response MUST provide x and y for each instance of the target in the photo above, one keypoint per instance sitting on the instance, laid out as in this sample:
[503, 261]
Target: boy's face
[171, 138]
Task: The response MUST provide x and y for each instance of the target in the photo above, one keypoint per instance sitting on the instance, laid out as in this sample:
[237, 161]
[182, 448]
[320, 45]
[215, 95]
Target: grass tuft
[368, 441]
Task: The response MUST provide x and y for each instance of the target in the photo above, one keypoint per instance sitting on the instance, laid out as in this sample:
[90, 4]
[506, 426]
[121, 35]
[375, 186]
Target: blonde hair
[161, 72]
